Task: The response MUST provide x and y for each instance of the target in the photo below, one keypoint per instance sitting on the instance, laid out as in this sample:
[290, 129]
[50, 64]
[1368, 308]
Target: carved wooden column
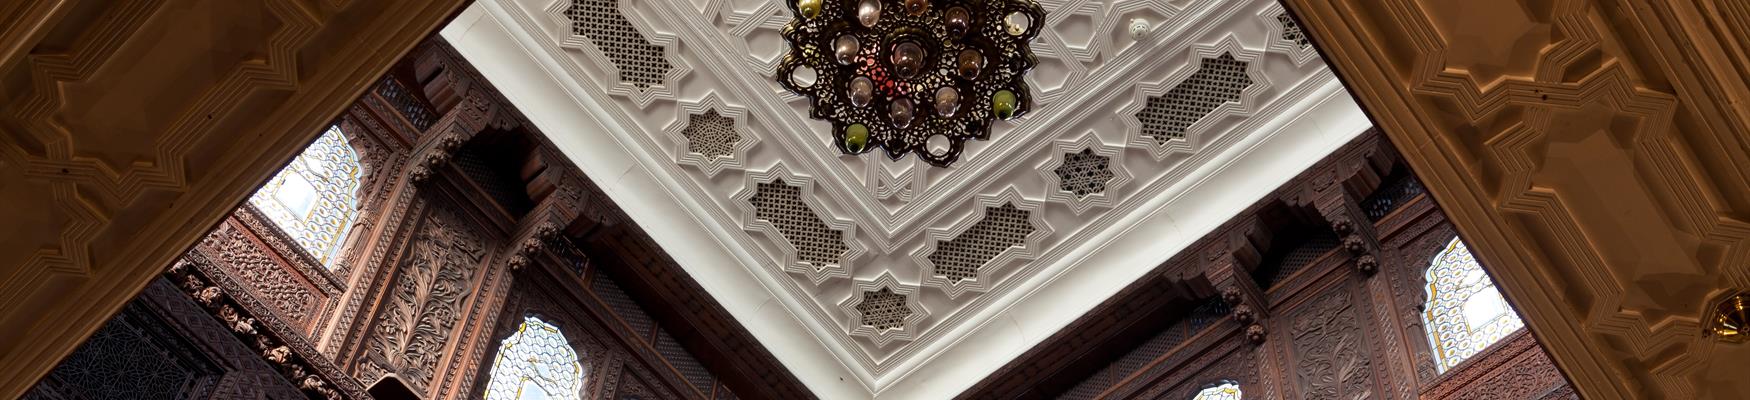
[1341, 206]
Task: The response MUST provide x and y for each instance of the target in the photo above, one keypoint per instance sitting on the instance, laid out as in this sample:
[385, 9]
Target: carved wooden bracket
[1336, 193]
[1225, 265]
[477, 112]
[1343, 212]
[533, 233]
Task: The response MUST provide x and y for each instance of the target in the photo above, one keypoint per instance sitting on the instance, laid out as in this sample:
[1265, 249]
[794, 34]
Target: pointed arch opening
[1224, 390]
[314, 200]
[1465, 313]
[534, 363]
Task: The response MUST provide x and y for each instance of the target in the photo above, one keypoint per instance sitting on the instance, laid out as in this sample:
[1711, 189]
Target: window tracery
[1222, 391]
[315, 198]
[535, 363]
[1465, 313]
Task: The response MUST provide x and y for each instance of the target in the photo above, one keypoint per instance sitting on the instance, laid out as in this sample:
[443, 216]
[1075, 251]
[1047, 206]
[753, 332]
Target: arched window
[1465, 313]
[315, 198]
[536, 362]
[1227, 390]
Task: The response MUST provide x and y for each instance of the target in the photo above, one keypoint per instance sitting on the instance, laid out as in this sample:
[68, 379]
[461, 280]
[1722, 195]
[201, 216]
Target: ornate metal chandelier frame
[858, 63]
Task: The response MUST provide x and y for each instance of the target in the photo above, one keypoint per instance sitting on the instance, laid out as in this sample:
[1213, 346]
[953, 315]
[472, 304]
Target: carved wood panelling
[1331, 357]
[270, 279]
[1514, 368]
[111, 142]
[1333, 330]
[417, 322]
[1594, 153]
[1092, 340]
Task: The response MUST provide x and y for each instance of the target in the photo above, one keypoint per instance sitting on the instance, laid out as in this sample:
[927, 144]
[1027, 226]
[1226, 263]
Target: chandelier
[911, 76]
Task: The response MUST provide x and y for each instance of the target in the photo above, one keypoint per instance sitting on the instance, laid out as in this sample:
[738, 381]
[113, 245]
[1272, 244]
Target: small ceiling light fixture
[1728, 317]
[905, 74]
[1138, 28]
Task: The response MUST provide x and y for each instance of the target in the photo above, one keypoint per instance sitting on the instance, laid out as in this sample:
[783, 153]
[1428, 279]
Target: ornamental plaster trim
[1199, 133]
[1270, 16]
[881, 338]
[770, 15]
[1029, 250]
[1114, 164]
[671, 44]
[710, 165]
[927, 199]
[886, 184]
[790, 262]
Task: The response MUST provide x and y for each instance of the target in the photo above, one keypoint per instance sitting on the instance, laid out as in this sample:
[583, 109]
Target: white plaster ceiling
[807, 308]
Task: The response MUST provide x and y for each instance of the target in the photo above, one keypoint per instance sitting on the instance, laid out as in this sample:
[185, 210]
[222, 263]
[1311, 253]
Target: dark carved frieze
[242, 257]
[1514, 368]
[277, 342]
[288, 251]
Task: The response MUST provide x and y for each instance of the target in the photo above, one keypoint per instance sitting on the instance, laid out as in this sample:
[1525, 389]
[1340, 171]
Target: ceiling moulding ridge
[895, 214]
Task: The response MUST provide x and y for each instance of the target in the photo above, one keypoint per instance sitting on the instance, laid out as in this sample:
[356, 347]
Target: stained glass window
[1223, 391]
[1465, 312]
[315, 198]
[535, 363]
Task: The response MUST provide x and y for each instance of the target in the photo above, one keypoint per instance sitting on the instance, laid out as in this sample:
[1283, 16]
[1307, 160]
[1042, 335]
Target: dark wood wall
[469, 219]
[1315, 292]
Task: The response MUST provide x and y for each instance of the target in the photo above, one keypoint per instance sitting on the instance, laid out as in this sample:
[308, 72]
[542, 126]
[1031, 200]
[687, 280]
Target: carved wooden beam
[294, 358]
[1222, 259]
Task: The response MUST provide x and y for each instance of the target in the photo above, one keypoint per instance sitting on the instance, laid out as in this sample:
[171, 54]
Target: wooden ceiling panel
[130, 127]
[1596, 153]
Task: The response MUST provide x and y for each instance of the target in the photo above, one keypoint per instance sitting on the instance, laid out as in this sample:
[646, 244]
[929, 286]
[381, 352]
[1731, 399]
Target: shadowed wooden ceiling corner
[1596, 153]
[130, 127]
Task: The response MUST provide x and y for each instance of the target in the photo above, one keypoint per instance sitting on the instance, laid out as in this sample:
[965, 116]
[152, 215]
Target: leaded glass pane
[535, 363]
[1224, 391]
[315, 198]
[1465, 312]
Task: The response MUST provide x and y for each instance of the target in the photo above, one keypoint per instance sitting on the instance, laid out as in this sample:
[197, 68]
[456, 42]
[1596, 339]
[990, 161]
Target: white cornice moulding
[520, 74]
[1157, 232]
[1295, 114]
